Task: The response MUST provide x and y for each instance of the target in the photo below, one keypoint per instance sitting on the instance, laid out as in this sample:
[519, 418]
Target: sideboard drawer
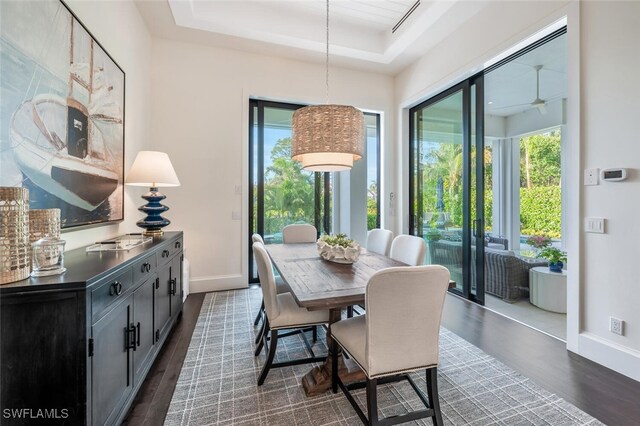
[144, 268]
[167, 254]
[109, 291]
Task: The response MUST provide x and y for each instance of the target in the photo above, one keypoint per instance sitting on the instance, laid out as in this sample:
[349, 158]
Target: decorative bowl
[338, 254]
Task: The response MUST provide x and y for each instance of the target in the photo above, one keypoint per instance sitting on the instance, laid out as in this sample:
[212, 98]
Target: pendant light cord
[327, 55]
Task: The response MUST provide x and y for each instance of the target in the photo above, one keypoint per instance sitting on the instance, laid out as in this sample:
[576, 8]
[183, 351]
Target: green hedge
[540, 211]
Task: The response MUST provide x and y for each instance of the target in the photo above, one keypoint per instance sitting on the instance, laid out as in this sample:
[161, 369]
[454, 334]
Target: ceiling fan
[539, 104]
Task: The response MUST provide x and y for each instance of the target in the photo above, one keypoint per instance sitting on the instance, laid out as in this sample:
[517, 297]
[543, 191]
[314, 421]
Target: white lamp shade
[153, 169]
[326, 161]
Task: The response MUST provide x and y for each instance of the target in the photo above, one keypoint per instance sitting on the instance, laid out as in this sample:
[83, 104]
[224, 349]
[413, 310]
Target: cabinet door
[163, 301]
[44, 354]
[143, 322]
[176, 285]
[111, 373]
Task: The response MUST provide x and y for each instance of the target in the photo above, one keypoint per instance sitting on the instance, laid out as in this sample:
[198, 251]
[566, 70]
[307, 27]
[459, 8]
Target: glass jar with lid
[47, 257]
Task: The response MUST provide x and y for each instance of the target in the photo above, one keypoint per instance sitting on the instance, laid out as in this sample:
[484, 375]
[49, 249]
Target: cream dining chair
[379, 241]
[408, 249]
[282, 313]
[398, 335]
[299, 233]
[281, 287]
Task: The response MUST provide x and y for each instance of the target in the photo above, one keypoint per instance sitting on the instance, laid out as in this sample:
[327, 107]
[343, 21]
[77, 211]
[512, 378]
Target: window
[372, 135]
[281, 192]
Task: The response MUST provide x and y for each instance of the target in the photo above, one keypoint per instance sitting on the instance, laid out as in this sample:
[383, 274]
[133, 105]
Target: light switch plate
[594, 225]
[590, 177]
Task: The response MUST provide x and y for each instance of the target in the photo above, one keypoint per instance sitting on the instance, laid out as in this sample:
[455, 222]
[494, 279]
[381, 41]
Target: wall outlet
[616, 326]
[590, 177]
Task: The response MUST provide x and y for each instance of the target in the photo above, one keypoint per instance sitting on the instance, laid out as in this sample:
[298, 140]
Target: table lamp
[152, 169]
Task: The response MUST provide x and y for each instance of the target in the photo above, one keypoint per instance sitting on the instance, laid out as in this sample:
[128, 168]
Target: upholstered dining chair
[281, 287]
[408, 249]
[283, 313]
[379, 241]
[299, 233]
[399, 334]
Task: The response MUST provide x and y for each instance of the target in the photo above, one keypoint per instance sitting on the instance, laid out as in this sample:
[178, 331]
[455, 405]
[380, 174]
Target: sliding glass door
[281, 192]
[447, 186]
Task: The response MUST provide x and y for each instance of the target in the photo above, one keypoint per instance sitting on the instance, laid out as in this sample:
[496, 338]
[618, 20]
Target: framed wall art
[62, 115]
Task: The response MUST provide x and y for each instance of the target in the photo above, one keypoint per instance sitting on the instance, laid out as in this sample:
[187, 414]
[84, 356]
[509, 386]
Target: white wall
[610, 60]
[601, 114]
[122, 32]
[200, 118]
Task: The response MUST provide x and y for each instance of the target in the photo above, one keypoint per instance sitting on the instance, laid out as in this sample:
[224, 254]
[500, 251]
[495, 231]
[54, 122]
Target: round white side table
[548, 290]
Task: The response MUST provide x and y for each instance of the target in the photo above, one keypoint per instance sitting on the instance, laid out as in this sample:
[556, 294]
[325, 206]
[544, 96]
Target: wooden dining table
[319, 284]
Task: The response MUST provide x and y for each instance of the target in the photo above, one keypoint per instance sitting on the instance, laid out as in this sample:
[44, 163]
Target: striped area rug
[217, 384]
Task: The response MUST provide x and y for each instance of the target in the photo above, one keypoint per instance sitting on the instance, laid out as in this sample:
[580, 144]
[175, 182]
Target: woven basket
[44, 223]
[15, 250]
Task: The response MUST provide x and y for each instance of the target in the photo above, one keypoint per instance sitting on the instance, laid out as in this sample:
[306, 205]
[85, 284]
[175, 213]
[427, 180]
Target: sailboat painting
[62, 115]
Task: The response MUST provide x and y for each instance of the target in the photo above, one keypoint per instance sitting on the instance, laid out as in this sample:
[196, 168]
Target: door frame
[468, 231]
[322, 186]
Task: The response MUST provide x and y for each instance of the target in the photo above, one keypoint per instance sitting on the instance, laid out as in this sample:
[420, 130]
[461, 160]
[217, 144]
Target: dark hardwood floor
[152, 402]
[610, 397]
[606, 395]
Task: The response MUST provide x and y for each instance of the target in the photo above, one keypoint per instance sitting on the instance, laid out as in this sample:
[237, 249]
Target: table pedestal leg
[318, 380]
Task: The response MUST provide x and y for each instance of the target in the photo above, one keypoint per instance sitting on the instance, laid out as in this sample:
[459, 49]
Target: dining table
[320, 284]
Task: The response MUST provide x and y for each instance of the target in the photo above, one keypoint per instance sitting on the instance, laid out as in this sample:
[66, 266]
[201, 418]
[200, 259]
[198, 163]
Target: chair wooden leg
[257, 320]
[372, 401]
[349, 311]
[315, 333]
[334, 366]
[262, 337]
[260, 333]
[272, 352]
[432, 393]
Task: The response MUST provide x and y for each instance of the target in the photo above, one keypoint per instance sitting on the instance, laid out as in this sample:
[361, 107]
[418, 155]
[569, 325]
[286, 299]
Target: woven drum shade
[327, 138]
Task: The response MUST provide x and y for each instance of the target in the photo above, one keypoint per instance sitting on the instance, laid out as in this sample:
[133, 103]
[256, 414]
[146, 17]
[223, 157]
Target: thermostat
[613, 175]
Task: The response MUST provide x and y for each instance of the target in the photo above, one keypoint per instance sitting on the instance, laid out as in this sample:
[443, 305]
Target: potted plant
[433, 234]
[556, 258]
[338, 248]
[538, 242]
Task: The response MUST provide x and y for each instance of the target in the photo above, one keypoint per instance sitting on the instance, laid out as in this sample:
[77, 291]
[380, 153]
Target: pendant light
[327, 138]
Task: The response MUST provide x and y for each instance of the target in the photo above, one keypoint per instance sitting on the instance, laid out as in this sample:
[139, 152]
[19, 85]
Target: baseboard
[217, 283]
[612, 355]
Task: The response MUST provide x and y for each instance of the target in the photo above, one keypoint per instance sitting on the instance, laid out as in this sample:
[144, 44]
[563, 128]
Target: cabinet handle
[165, 253]
[172, 286]
[178, 244]
[129, 341]
[138, 334]
[146, 267]
[115, 289]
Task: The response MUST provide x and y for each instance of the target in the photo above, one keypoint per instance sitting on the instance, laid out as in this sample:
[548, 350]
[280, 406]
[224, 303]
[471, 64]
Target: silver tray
[122, 243]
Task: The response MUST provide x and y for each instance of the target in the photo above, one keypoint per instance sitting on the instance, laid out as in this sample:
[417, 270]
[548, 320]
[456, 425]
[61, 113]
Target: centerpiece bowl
[338, 249]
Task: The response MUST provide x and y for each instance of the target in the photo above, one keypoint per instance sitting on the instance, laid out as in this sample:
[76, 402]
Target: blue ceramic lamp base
[153, 223]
